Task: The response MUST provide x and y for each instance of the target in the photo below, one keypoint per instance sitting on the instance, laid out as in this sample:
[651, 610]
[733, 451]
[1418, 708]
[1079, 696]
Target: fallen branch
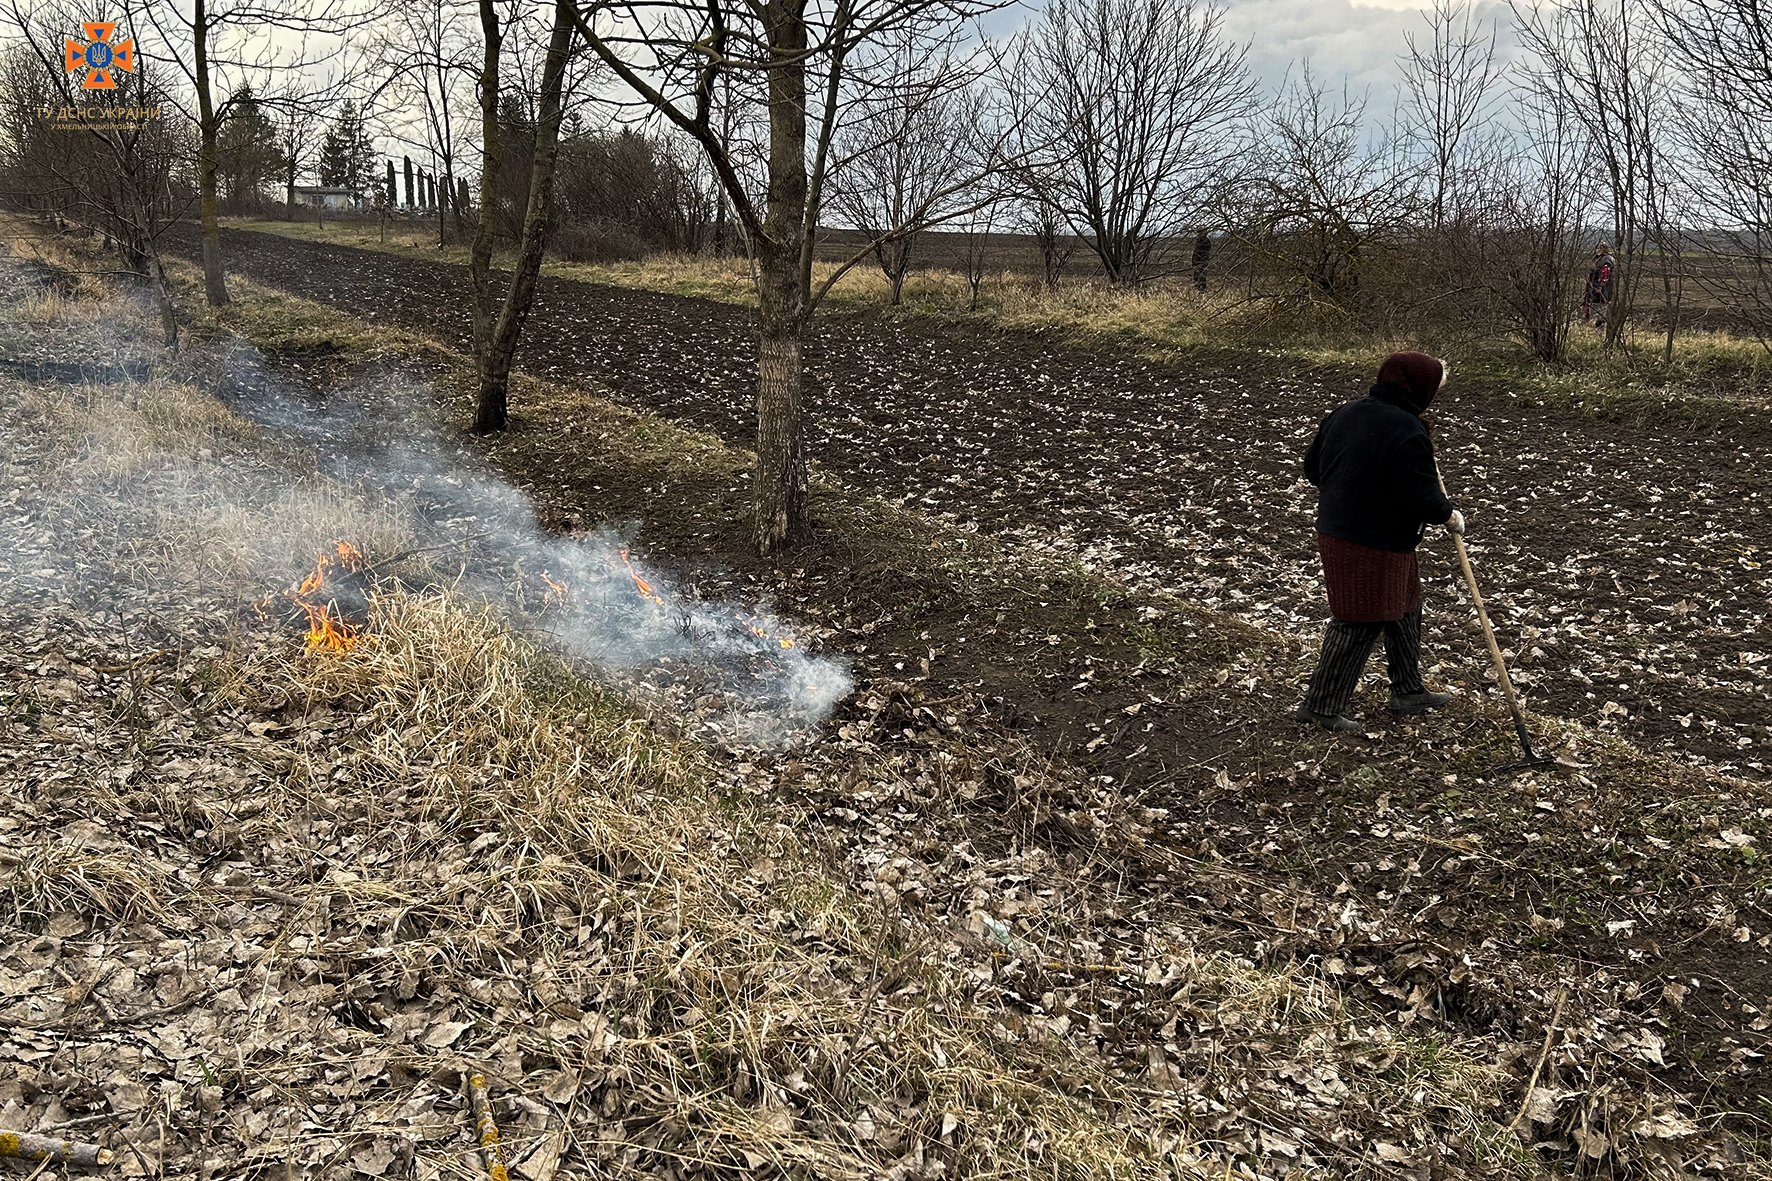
[485, 1129]
[372, 567]
[1550, 1033]
[49, 1150]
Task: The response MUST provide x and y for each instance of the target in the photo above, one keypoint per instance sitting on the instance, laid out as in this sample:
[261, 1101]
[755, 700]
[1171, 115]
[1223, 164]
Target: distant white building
[332, 200]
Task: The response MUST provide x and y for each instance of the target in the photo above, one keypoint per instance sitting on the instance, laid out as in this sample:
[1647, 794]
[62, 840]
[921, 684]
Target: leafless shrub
[1321, 197]
[1723, 50]
[1131, 113]
[1537, 236]
[596, 242]
[1052, 237]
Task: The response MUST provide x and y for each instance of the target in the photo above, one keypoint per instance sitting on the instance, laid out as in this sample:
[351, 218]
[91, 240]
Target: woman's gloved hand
[1455, 523]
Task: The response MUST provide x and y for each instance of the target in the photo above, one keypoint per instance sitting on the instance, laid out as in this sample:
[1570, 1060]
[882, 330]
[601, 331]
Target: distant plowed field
[1629, 566]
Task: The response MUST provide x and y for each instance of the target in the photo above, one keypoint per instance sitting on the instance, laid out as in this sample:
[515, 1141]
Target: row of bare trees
[1107, 127]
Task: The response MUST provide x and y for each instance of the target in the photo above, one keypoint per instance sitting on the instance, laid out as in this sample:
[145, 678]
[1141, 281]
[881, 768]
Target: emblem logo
[99, 56]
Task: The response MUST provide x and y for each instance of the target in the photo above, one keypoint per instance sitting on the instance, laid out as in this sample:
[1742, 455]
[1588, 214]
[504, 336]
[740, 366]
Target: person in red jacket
[1600, 279]
[1373, 463]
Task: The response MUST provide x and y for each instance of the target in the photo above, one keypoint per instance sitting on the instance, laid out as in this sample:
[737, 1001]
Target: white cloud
[1340, 38]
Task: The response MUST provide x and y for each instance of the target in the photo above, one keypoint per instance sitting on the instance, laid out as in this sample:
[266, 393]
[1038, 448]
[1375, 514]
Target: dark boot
[1417, 703]
[1334, 723]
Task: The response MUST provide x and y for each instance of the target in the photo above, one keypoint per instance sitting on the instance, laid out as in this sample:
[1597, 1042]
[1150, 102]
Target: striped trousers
[1343, 659]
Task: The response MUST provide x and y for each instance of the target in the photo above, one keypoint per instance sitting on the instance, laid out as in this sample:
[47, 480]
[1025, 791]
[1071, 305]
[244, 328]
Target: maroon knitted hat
[1417, 373]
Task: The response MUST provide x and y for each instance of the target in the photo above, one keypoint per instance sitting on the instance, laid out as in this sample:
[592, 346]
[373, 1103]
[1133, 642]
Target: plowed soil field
[1628, 563]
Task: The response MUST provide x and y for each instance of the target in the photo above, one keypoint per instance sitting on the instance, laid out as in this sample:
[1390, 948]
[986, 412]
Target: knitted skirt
[1368, 585]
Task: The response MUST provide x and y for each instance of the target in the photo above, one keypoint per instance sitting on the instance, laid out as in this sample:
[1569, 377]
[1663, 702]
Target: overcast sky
[1356, 39]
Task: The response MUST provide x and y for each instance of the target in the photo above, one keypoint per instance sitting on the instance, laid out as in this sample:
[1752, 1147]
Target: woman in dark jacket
[1373, 463]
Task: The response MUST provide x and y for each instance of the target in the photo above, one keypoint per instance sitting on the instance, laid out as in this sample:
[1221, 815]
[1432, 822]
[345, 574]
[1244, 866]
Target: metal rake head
[1532, 760]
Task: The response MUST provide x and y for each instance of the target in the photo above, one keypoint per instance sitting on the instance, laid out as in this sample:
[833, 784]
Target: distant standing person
[1373, 463]
[1202, 257]
[1599, 284]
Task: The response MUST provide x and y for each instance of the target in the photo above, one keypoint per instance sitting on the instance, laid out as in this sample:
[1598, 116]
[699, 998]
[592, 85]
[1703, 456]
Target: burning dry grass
[203, 497]
[686, 962]
[209, 523]
[553, 886]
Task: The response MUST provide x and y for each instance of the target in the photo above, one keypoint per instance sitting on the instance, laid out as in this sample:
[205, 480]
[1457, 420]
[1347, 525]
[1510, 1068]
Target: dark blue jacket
[1373, 461]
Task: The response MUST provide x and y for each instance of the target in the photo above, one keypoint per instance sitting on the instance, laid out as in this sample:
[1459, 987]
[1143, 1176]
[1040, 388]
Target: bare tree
[1136, 105]
[1052, 236]
[296, 133]
[976, 237]
[427, 56]
[907, 136]
[114, 177]
[1605, 62]
[227, 48]
[1723, 50]
[1322, 192]
[676, 56]
[738, 122]
[495, 334]
[1449, 81]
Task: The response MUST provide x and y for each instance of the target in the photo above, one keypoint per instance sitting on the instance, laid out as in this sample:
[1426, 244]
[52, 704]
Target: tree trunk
[1672, 268]
[215, 287]
[168, 310]
[480, 256]
[459, 203]
[289, 202]
[778, 492]
[495, 362]
[447, 204]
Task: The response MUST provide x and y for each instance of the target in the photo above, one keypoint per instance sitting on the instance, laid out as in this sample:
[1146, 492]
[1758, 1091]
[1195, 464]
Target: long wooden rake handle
[1470, 582]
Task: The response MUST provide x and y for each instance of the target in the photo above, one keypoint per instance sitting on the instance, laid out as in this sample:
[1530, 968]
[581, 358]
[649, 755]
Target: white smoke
[730, 667]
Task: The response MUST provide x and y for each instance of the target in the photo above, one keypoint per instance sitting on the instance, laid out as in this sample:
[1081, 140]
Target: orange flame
[762, 633]
[327, 631]
[557, 594]
[640, 584]
[648, 593]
